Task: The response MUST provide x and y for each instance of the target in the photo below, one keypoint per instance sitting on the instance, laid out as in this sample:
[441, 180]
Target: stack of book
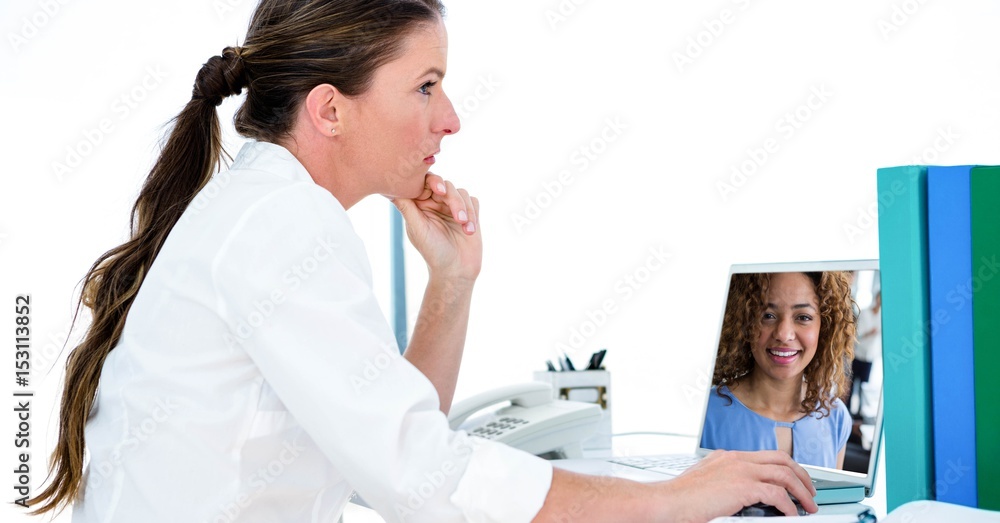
[939, 243]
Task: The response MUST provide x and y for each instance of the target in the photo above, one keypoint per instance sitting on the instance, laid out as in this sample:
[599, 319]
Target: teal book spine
[906, 324]
[985, 190]
[949, 241]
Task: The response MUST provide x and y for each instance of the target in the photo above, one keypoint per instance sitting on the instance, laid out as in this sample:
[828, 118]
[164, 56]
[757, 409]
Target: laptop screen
[798, 364]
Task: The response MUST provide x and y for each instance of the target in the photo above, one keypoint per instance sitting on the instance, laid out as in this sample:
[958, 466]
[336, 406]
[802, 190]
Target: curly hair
[827, 374]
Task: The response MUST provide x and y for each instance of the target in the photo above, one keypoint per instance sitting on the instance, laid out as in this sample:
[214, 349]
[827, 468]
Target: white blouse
[257, 380]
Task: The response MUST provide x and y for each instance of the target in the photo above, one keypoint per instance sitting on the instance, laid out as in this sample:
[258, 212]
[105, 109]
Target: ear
[321, 105]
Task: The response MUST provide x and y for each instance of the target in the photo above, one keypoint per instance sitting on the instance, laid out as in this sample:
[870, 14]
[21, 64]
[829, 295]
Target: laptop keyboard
[666, 464]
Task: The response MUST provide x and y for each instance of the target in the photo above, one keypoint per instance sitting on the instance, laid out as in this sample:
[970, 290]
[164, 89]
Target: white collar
[272, 158]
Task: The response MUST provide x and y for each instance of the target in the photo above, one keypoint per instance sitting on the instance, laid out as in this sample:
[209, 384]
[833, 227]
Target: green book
[906, 321]
[985, 190]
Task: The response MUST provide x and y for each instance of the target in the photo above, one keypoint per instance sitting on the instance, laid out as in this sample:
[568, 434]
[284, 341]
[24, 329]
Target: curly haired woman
[781, 367]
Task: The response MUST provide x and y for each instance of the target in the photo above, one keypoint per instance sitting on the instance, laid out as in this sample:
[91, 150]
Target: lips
[430, 159]
[783, 355]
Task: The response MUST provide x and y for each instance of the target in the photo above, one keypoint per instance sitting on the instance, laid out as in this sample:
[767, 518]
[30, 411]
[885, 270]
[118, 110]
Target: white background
[536, 83]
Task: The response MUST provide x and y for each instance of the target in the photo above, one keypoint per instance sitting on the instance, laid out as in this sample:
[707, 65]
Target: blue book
[902, 232]
[949, 239]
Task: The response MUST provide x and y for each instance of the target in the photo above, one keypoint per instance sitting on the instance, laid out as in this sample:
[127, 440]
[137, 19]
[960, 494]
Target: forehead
[424, 48]
[791, 285]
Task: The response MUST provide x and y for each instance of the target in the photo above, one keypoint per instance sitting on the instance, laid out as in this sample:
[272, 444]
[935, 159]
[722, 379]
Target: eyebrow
[430, 70]
[796, 306]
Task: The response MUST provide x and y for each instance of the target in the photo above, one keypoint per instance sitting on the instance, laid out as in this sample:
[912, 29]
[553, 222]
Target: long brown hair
[291, 47]
[826, 375]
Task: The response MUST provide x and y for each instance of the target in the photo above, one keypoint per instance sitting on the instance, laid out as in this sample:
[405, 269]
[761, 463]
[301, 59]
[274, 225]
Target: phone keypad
[495, 429]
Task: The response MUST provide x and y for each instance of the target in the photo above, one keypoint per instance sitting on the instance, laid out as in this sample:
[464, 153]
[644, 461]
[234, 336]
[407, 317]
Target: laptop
[850, 484]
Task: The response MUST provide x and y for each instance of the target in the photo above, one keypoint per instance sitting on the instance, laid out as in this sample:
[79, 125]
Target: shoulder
[268, 212]
[720, 397]
[839, 409]
[267, 182]
[841, 413]
[840, 419]
[842, 422]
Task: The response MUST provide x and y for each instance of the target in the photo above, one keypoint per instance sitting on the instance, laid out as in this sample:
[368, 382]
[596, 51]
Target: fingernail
[442, 188]
[471, 227]
[462, 217]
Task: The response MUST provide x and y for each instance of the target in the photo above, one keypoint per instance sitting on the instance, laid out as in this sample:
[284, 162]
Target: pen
[551, 367]
[569, 364]
[599, 358]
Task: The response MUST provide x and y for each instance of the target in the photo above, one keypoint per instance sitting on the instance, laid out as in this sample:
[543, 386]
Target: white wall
[536, 91]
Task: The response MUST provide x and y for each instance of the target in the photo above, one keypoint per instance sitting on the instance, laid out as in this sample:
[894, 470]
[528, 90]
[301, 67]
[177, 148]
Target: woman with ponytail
[238, 367]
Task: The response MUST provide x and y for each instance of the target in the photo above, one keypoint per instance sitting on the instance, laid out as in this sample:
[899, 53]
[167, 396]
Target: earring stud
[333, 131]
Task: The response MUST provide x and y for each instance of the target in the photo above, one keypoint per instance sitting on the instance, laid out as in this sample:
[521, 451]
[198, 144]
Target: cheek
[810, 338]
[763, 337]
[810, 341]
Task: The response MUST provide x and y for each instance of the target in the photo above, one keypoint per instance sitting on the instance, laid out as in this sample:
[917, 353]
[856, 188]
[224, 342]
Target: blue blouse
[734, 426]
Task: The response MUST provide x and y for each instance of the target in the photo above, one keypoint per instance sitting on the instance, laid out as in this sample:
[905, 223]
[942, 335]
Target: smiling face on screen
[789, 328]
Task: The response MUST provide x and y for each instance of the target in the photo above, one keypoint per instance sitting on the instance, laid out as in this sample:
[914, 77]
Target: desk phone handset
[533, 422]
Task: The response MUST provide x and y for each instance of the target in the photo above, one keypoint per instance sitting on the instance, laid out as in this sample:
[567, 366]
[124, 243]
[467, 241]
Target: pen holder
[590, 386]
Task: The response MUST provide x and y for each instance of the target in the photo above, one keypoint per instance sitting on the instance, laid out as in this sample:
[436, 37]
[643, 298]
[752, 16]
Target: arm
[846, 426]
[439, 335]
[443, 225]
[720, 485]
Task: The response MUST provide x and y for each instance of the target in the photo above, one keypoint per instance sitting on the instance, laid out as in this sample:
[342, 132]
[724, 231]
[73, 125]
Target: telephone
[533, 422]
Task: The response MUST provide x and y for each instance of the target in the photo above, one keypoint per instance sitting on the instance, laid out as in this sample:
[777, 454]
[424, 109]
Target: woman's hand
[443, 224]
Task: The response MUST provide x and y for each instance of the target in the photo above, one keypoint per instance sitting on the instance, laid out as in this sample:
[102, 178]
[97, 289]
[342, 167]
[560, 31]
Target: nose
[448, 122]
[785, 330]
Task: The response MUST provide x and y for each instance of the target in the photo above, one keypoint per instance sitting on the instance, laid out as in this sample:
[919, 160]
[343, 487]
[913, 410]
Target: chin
[408, 186]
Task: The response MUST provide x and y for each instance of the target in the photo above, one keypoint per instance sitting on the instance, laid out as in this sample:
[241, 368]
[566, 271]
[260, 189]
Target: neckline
[788, 424]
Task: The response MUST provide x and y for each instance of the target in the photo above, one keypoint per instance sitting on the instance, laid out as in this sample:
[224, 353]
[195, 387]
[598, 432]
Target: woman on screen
[780, 368]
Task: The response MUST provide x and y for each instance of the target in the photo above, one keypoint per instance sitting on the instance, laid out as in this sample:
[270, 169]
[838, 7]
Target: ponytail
[184, 167]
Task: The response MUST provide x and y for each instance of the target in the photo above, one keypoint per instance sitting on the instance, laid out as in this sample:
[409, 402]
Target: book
[912, 512]
[985, 191]
[949, 240]
[902, 230]
[936, 512]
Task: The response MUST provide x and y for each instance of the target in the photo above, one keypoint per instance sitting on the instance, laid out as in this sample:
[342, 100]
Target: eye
[768, 316]
[805, 318]
[424, 88]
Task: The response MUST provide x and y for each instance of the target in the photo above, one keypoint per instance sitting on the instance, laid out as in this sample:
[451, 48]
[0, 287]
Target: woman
[238, 367]
[780, 367]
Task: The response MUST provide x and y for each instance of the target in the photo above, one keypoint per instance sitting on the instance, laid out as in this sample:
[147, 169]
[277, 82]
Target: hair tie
[220, 76]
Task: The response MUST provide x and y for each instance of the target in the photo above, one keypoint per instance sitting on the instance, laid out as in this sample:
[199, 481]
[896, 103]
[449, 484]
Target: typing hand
[725, 482]
[443, 224]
